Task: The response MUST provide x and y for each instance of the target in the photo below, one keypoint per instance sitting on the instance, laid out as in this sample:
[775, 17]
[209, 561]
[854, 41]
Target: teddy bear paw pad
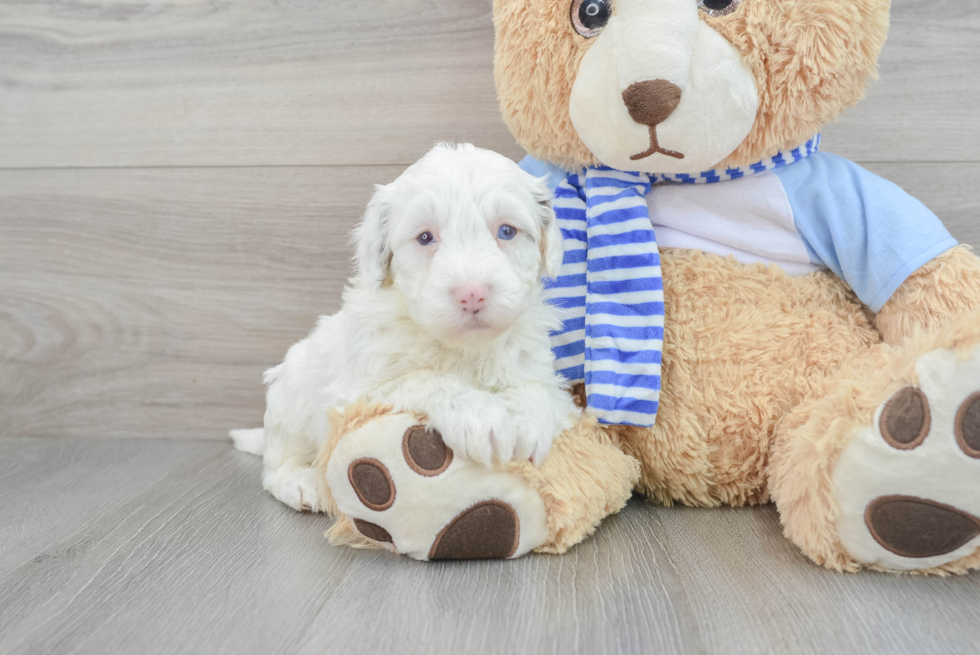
[372, 531]
[488, 530]
[425, 451]
[916, 527]
[372, 483]
[400, 485]
[907, 485]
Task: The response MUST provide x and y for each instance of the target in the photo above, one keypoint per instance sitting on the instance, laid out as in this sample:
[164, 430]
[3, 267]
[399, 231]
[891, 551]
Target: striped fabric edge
[781, 158]
[624, 308]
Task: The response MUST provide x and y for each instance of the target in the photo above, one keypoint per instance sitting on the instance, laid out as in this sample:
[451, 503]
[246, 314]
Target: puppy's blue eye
[425, 238]
[506, 232]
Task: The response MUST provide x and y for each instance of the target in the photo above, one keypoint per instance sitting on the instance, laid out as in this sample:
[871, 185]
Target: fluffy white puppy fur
[445, 316]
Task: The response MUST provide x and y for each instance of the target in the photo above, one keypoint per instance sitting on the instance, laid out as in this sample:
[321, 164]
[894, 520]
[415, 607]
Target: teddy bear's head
[677, 86]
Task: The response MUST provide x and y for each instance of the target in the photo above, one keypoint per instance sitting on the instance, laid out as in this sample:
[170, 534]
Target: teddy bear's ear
[372, 254]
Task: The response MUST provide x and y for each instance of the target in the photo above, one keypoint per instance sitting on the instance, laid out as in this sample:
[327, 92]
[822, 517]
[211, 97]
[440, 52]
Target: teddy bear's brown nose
[651, 102]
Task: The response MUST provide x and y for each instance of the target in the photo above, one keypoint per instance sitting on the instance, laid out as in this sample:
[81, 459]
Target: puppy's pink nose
[471, 296]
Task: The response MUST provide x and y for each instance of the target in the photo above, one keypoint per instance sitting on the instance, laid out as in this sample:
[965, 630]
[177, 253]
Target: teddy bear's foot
[399, 485]
[396, 484]
[908, 485]
[881, 468]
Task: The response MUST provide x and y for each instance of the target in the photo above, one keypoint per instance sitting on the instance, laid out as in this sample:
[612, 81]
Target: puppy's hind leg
[300, 488]
[289, 473]
[293, 430]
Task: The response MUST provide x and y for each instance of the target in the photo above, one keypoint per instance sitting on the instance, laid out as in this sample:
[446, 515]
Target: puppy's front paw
[535, 434]
[478, 427]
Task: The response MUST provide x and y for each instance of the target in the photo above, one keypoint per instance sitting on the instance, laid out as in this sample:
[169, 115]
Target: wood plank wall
[178, 179]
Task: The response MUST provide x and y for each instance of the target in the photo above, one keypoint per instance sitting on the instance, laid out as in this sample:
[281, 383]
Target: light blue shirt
[820, 211]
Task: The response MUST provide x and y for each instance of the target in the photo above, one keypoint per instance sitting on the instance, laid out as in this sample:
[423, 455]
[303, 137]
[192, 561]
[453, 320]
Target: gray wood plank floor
[161, 546]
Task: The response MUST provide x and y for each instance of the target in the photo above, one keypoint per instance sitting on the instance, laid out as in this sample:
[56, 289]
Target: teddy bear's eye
[590, 16]
[718, 7]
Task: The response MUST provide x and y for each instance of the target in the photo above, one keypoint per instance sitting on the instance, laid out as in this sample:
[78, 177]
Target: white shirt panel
[749, 218]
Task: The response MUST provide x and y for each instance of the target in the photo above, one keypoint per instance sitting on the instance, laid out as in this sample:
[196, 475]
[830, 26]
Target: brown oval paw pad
[372, 531]
[425, 451]
[905, 419]
[372, 483]
[967, 426]
[916, 527]
[488, 530]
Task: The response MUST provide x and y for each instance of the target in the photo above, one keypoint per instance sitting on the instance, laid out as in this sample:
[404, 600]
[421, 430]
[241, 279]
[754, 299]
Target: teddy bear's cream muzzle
[660, 91]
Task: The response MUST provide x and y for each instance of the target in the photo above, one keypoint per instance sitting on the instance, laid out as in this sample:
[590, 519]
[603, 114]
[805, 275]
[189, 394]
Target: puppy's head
[464, 236]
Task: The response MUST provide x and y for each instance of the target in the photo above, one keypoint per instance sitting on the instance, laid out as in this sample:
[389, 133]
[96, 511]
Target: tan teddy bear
[794, 329]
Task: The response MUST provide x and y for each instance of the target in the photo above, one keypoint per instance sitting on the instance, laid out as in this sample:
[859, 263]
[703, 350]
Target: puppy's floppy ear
[372, 253]
[552, 246]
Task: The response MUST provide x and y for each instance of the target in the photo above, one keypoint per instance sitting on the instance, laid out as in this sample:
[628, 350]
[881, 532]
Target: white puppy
[445, 316]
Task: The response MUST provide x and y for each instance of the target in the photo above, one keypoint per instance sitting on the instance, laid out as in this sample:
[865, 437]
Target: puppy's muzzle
[471, 297]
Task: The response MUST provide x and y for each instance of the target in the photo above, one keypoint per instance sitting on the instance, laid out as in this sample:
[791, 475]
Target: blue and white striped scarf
[611, 287]
[610, 283]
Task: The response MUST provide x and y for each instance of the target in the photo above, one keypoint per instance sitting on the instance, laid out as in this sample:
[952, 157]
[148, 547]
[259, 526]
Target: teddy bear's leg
[743, 346]
[882, 468]
[392, 483]
[930, 297]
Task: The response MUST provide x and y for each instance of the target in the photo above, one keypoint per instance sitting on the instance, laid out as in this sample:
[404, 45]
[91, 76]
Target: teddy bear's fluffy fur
[765, 344]
[586, 478]
[766, 377]
[811, 60]
[774, 387]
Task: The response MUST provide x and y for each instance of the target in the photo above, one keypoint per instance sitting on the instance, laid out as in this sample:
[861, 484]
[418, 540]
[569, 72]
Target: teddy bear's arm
[946, 286]
[867, 230]
[891, 250]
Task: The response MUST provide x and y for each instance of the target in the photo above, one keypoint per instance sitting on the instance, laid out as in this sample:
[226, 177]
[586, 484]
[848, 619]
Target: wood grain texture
[947, 189]
[252, 82]
[147, 303]
[172, 547]
[258, 82]
[924, 106]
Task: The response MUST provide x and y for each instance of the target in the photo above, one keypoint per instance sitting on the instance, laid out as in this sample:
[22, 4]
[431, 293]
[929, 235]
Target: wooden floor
[120, 546]
[177, 181]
